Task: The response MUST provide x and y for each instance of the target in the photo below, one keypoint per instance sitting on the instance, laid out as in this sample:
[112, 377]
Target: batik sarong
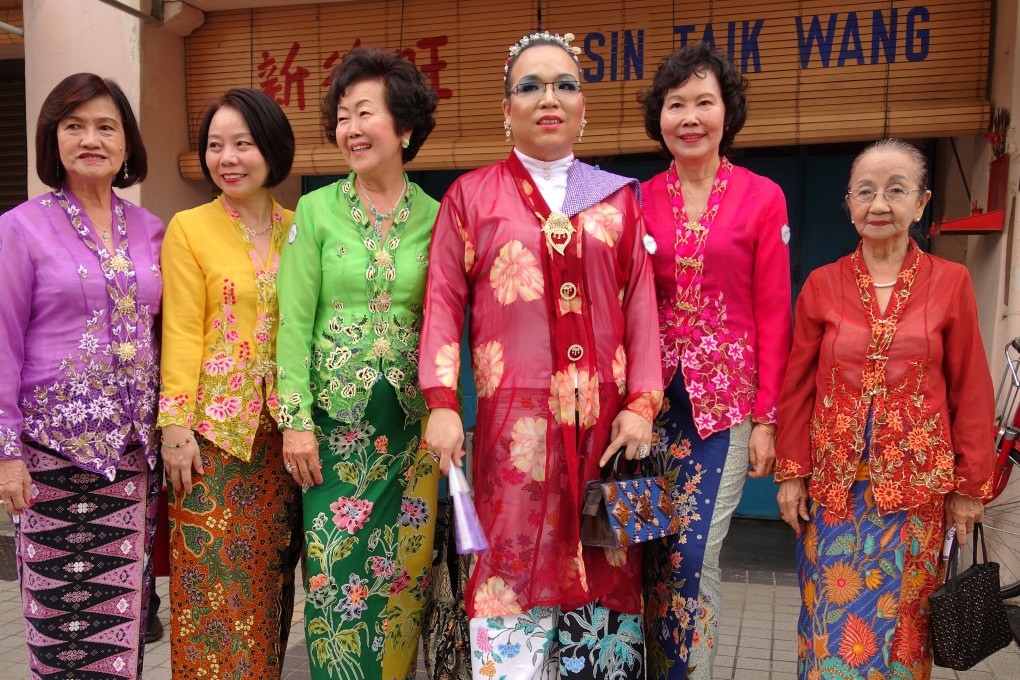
[369, 530]
[683, 590]
[544, 643]
[231, 573]
[865, 582]
[83, 555]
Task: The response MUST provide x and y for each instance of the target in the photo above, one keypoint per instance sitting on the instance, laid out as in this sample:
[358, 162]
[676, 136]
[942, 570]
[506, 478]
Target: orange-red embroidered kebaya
[918, 368]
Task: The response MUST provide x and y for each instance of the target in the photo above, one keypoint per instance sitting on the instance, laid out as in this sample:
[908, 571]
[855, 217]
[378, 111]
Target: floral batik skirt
[82, 562]
[682, 579]
[368, 533]
[865, 582]
[231, 564]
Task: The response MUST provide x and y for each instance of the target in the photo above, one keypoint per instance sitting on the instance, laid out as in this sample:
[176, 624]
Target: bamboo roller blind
[14, 18]
[926, 78]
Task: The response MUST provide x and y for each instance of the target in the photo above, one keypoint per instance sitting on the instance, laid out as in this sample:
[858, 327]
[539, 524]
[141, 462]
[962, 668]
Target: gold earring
[580, 133]
[506, 127]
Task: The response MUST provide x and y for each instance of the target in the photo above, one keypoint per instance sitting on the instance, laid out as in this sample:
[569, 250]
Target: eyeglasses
[535, 88]
[891, 195]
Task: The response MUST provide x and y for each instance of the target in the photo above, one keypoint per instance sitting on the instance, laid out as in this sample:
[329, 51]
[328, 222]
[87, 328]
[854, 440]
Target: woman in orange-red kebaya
[885, 430]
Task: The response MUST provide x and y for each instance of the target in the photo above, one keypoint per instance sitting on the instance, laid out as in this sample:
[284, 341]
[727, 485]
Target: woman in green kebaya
[351, 288]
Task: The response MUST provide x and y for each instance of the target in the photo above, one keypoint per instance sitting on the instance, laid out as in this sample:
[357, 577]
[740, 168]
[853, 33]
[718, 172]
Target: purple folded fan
[470, 537]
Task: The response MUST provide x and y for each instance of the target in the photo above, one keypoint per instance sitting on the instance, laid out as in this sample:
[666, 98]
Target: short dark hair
[268, 125]
[409, 96]
[695, 60]
[70, 93]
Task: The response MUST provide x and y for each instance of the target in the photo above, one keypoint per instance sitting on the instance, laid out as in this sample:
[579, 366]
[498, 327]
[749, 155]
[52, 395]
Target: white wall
[70, 36]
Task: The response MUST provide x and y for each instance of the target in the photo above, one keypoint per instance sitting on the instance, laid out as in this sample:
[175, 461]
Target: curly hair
[409, 96]
[697, 59]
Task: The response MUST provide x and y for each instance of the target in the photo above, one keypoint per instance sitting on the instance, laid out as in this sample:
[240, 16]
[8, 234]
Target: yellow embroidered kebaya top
[220, 319]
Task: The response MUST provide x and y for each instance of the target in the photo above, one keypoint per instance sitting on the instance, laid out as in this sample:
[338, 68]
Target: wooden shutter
[13, 143]
[819, 71]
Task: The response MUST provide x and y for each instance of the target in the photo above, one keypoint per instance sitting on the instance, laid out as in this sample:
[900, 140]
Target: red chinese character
[435, 64]
[331, 60]
[267, 71]
[293, 77]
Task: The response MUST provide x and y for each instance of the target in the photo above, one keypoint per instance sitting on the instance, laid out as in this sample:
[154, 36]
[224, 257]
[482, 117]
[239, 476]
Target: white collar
[545, 170]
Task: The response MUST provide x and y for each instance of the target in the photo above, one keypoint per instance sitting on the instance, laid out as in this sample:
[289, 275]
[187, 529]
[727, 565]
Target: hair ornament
[541, 38]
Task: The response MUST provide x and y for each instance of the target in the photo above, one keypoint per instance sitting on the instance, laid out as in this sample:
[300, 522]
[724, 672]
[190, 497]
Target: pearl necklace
[380, 218]
[883, 285]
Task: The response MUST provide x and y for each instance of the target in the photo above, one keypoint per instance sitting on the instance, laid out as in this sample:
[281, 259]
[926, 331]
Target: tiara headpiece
[543, 38]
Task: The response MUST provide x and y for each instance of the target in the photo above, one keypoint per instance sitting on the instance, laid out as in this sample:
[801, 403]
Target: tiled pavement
[757, 630]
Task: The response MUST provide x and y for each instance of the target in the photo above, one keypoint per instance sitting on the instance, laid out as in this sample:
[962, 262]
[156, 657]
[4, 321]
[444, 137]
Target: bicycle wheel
[1002, 536]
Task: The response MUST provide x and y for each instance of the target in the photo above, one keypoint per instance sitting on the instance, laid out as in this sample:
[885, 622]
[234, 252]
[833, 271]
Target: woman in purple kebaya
[79, 274]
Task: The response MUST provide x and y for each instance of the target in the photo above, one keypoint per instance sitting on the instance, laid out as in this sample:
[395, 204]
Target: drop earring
[580, 133]
[506, 127]
[125, 169]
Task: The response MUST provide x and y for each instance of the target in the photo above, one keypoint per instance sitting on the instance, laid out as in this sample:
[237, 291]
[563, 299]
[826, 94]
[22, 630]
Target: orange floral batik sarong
[232, 563]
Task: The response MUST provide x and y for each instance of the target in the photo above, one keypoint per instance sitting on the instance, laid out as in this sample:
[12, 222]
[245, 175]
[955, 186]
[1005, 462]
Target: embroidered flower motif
[488, 366]
[602, 221]
[527, 446]
[223, 407]
[448, 364]
[516, 273]
[469, 247]
[219, 364]
[496, 598]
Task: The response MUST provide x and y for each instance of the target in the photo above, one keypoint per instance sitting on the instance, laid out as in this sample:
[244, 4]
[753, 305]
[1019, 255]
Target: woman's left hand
[761, 452]
[632, 431]
[964, 512]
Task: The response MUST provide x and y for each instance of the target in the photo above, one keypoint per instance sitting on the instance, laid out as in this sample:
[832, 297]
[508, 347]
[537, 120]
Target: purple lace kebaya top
[77, 342]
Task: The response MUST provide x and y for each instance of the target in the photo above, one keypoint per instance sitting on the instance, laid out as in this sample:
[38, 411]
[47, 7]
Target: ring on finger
[288, 467]
[643, 451]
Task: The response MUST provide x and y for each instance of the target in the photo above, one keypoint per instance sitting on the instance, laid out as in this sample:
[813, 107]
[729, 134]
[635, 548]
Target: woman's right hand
[180, 457]
[793, 508]
[444, 436]
[15, 486]
[301, 456]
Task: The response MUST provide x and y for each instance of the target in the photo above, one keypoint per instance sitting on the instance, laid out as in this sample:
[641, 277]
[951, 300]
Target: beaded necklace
[379, 217]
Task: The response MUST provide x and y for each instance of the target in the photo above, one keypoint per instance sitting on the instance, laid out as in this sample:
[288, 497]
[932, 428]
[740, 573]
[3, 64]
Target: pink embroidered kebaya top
[918, 367]
[724, 294]
[220, 319]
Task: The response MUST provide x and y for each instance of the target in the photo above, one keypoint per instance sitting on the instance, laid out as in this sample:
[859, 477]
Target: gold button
[568, 291]
[575, 352]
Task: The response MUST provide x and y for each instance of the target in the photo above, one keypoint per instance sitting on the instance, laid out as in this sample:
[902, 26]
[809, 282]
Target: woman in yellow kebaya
[233, 507]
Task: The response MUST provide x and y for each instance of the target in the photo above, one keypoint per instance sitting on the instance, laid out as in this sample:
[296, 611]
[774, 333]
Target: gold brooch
[119, 263]
[558, 231]
[125, 351]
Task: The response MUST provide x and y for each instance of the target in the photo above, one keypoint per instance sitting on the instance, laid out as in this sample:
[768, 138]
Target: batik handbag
[624, 510]
[968, 619]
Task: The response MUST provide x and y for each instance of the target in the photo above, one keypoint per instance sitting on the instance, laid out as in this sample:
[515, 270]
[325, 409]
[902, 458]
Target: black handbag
[445, 632]
[968, 619]
[624, 510]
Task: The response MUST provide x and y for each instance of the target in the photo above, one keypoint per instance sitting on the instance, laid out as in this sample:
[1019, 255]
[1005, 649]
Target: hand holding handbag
[621, 511]
[968, 620]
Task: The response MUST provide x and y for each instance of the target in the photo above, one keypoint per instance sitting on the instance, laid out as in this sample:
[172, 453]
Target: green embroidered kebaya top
[351, 305]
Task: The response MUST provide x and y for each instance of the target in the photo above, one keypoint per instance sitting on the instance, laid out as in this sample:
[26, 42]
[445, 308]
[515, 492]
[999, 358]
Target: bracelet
[767, 427]
[177, 446]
